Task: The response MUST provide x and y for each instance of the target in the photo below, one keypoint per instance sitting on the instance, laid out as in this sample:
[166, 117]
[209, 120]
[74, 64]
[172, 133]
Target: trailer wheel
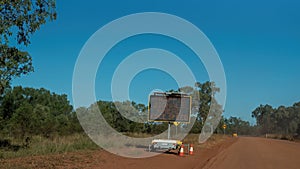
[152, 149]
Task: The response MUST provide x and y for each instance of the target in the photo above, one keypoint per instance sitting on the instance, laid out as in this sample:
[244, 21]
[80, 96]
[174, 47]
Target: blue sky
[258, 43]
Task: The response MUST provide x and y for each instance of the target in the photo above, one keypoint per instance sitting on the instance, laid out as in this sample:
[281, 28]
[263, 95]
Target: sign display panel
[169, 107]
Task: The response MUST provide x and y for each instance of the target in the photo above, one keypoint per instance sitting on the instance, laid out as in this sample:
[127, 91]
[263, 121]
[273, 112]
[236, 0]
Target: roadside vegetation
[280, 123]
[38, 121]
[40, 146]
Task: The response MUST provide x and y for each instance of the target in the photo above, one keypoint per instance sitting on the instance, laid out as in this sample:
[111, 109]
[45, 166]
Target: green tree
[13, 63]
[21, 123]
[28, 111]
[43, 120]
[19, 19]
[296, 108]
[204, 103]
[207, 91]
[237, 125]
[284, 121]
[264, 115]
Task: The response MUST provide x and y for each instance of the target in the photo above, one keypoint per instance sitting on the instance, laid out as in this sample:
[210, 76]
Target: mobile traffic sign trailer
[172, 108]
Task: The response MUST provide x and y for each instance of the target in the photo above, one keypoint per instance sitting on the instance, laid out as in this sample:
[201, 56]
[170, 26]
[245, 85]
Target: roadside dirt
[233, 153]
[258, 153]
[102, 159]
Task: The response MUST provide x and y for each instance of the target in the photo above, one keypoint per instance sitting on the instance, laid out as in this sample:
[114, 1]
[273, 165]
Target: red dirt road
[231, 153]
[101, 159]
[258, 153]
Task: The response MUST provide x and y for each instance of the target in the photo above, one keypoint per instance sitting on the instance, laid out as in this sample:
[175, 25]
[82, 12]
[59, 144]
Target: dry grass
[280, 137]
[40, 146]
[213, 140]
[62, 144]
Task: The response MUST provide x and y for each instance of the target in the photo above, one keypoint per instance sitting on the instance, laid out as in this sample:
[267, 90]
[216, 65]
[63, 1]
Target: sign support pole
[169, 130]
[224, 128]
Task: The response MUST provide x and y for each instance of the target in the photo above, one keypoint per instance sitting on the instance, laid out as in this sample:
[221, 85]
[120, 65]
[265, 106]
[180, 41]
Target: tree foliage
[132, 117]
[19, 19]
[204, 103]
[237, 125]
[135, 122]
[13, 63]
[28, 111]
[282, 120]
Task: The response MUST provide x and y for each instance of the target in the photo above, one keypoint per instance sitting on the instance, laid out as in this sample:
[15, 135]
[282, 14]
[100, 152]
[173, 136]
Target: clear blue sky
[258, 43]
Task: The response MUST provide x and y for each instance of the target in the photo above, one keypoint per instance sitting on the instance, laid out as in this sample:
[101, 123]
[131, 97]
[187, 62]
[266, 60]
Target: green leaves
[283, 120]
[28, 111]
[13, 63]
[237, 125]
[19, 19]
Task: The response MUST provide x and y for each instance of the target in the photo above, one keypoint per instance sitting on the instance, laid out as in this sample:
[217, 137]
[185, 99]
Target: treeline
[124, 117]
[282, 120]
[134, 120]
[235, 125]
[25, 112]
[130, 117]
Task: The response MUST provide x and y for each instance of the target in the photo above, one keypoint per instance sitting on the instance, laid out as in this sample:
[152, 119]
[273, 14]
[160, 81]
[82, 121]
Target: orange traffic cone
[181, 151]
[191, 149]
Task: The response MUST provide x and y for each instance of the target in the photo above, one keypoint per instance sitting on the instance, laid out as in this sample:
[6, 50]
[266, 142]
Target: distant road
[257, 153]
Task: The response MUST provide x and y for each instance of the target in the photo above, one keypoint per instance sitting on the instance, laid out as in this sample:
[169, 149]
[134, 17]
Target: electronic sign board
[169, 107]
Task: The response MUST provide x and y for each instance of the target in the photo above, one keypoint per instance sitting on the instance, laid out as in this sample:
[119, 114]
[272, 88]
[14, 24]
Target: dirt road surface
[231, 153]
[257, 153]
